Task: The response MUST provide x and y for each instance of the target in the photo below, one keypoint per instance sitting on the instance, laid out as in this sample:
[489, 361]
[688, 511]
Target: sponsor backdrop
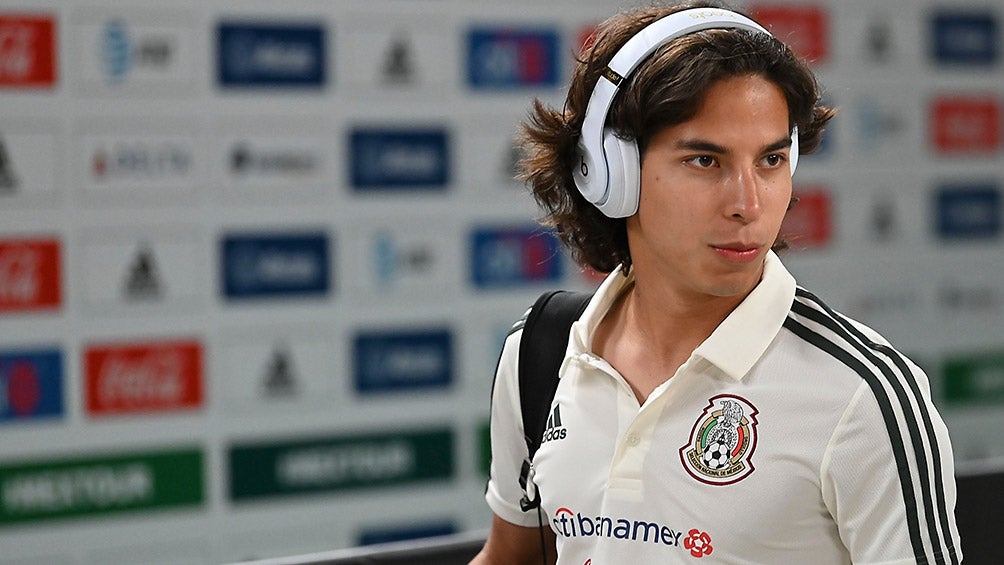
[256, 262]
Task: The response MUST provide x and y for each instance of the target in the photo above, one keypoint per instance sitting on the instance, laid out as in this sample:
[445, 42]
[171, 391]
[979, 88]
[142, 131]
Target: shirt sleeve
[508, 446]
[888, 476]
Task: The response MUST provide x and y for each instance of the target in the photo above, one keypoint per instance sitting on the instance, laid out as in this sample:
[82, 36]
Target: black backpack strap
[541, 352]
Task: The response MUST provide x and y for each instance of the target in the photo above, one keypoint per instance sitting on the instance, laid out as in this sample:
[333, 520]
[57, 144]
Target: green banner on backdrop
[87, 486]
[263, 470]
[975, 379]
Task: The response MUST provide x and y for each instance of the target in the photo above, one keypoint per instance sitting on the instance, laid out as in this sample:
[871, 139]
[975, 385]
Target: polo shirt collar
[741, 339]
[738, 342]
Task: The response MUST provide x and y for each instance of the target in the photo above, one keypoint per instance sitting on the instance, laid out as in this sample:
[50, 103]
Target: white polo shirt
[791, 435]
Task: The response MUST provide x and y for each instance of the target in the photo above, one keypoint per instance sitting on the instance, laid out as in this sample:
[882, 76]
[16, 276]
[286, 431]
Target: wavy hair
[665, 90]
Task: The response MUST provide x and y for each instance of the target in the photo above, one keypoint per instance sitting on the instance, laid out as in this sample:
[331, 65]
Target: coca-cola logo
[144, 377]
[966, 124]
[27, 51]
[19, 275]
[156, 378]
[29, 275]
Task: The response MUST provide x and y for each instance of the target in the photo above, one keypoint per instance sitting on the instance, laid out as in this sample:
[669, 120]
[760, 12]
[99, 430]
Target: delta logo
[966, 125]
[500, 58]
[150, 158]
[143, 377]
[27, 51]
[805, 28]
[513, 257]
[809, 224]
[31, 384]
[29, 275]
[570, 524]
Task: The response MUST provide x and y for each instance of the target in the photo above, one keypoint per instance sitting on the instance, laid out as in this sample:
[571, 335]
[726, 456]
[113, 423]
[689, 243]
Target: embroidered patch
[721, 445]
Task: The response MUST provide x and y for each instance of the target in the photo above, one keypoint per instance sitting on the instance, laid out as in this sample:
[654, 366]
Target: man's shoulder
[847, 345]
[813, 315]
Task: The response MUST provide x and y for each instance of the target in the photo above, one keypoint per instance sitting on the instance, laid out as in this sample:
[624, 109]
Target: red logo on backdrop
[143, 377]
[24, 390]
[584, 41]
[966, 124]
[804, 28]
[27, 50]
[29, 275]
[809, 224]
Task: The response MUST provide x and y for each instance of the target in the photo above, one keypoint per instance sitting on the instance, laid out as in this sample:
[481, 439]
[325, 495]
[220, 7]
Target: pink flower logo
[699, 543]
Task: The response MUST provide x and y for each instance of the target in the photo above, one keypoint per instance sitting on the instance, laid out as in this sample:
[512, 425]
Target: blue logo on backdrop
[271, 55]
[512, 257]
[419, 531]
[396, 360]
[269, 265]
[31, 384]
[399, 158]
[969, 211]
[385, 257]
[395, 257]
[116, 50]
[968, 38]
[505, 58]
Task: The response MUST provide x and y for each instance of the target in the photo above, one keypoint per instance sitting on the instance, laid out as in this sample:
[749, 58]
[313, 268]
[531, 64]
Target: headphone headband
[593, 174]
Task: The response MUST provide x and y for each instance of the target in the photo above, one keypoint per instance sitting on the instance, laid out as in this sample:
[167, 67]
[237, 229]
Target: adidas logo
[142, 280]
[554, 430]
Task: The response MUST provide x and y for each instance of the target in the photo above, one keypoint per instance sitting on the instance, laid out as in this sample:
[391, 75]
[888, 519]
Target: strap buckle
[531, 496]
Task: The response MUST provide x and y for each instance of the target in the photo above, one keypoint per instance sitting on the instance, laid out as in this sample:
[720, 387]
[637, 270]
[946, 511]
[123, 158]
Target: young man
[709, 408]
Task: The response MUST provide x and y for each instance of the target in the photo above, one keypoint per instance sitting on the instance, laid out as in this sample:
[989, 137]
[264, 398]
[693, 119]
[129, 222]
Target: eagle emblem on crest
[722, 442]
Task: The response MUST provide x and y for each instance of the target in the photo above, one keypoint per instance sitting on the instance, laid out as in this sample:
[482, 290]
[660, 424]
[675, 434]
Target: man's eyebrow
[701, 145]
[709, 147]
[782, 143]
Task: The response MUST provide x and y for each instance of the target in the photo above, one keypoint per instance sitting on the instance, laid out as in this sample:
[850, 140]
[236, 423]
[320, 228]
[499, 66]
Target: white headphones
[608, 173]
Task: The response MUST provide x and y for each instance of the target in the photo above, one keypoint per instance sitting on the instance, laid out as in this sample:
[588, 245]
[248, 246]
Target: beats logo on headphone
[608, 172]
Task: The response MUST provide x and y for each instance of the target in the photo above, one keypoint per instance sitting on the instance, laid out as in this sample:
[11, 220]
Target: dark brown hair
[665, 90]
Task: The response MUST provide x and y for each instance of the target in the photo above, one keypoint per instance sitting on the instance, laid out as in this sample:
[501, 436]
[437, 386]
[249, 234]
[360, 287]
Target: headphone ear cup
[624, 170]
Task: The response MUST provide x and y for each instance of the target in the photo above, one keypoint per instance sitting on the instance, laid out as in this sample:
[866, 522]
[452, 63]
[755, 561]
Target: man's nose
[742, 194]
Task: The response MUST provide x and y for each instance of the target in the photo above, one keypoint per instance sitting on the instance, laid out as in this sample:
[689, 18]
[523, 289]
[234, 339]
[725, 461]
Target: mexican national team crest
[721, 446]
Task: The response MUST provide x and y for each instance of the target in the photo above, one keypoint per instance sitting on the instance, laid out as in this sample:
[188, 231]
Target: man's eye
[704, 161]
[773, 160]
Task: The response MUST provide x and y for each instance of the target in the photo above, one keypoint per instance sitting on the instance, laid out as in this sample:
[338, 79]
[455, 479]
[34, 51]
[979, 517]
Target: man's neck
[667, 317]
[650, 332]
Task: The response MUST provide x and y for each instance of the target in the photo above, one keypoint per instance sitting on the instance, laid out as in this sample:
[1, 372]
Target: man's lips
[738, 252]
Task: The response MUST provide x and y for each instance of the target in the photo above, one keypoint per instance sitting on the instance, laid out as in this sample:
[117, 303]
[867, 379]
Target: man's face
[714, 191]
